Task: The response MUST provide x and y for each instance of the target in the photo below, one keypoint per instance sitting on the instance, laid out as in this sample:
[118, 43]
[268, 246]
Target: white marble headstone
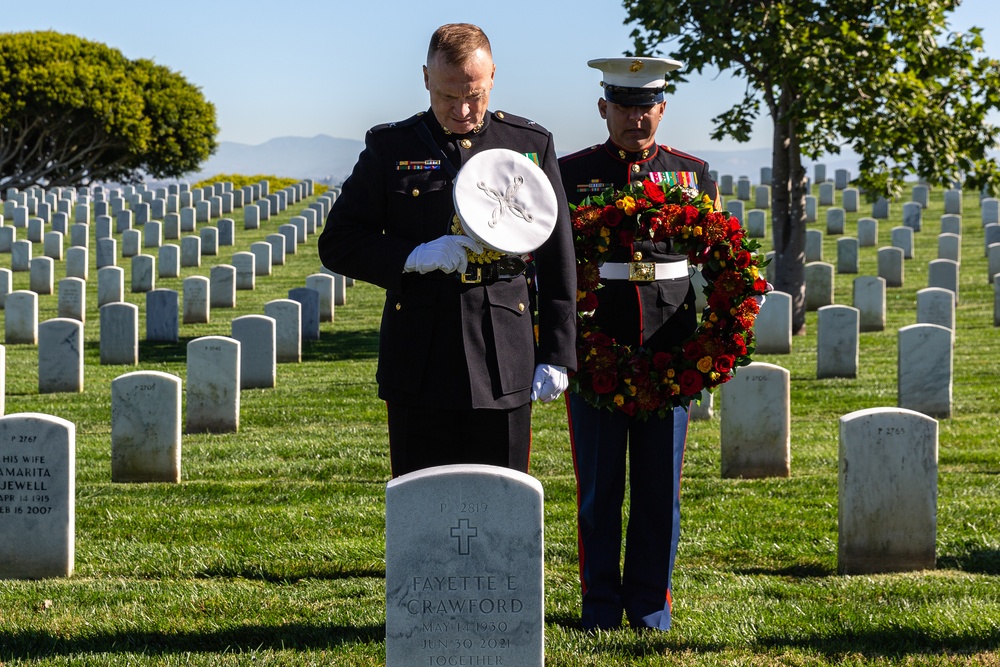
[755, 432]
[925, 369]
[37, 496]
[287, 315]
[213, 385]
[119, 333]
[256, 334]
[887, 491]
[837, 342]
[464, 568]
[146, 427]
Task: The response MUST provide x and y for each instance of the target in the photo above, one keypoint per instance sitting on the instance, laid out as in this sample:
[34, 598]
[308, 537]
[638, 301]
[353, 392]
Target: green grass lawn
[271, 550]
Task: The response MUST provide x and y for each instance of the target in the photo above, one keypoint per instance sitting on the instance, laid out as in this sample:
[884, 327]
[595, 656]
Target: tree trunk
[788, 217]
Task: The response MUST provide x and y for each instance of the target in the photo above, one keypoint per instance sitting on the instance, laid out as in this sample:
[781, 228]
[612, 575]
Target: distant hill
[329, 159]
[321, 158]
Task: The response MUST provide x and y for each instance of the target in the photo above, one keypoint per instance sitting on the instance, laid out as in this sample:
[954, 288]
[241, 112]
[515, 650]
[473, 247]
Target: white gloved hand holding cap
[549, 382]
[445, 253]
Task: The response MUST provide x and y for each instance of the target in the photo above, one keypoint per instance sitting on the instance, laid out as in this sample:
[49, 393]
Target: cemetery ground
[271, 549]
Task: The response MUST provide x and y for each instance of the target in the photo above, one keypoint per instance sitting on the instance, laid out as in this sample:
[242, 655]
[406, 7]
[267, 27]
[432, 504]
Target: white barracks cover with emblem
[505, 201]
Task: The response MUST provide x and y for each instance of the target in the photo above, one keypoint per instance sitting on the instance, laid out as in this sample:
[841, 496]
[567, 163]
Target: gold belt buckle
[476, 280]
[642, 271]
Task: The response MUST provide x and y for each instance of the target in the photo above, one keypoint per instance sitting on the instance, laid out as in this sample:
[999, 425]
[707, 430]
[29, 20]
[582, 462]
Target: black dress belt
[505, 268]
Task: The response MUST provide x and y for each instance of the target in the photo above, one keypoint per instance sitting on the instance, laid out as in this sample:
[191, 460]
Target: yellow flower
[619, 400]
[714, 317]
[715, 376]
[627, 205]
[754, 272]
[605, 232]
[697, 230]
[704, 364]
[671, 372]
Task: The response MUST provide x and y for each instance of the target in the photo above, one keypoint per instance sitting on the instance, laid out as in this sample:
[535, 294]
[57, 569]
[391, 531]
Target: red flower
[724, 363]
[690, 215]
[587, 302]
[692, 350]
[629, 408]
[604, 383]
[612, 216]
[661, 360]
[743, 259]
[654, 192]
[691, 382]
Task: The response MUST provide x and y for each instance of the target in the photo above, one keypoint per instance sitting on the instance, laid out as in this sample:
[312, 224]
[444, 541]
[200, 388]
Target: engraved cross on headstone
[464, 533]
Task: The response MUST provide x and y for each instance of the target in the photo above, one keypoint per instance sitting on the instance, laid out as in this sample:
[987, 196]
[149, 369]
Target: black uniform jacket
[443, 342]
[660, 314]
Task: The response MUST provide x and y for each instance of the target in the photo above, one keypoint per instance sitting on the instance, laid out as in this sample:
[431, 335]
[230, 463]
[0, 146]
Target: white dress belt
[661, 270]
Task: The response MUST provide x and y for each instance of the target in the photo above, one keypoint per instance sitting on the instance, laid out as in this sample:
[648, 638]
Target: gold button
[465, 143]
[500, 114]
[635, 169]
[398, 306]
[637, 257]
[520, 307]
[415, 192]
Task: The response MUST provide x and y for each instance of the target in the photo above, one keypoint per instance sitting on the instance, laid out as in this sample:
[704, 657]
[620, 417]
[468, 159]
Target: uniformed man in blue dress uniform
[458, 358]
[656, 314]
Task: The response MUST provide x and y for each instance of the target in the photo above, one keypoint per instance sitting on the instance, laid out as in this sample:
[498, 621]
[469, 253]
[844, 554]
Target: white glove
[445, 253]
[549, 382]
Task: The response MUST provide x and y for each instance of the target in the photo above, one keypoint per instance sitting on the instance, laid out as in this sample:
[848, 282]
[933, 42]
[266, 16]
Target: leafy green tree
[74, 111]
[883, 77]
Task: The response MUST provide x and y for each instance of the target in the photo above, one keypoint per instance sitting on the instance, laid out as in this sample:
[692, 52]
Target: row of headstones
[438, 550]
[155, 231]
[887, 463]
[728, 186]
[755, 219]
[240, 275]
[59, 340]
[924, 349]
[446, 541]
[258, 261]
[211, 201]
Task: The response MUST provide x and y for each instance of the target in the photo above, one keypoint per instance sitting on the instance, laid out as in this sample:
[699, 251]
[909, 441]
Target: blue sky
[302, 68]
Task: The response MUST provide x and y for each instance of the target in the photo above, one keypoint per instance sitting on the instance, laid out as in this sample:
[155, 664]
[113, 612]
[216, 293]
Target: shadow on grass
[636, 643]
[891, 643]
[289, 576]
[340, 345]
[982, 561]
[331, 346]
[164, 352]
[34, 644]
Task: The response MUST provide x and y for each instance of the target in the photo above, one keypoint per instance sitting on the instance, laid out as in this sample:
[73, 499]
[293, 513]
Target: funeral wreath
[637, 380]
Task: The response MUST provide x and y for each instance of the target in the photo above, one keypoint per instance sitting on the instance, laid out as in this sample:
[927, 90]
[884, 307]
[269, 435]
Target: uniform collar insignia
[631, 156]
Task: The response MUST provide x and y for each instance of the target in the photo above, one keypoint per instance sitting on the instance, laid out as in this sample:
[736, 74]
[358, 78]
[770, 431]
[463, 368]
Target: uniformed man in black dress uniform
[458, 358]
[656, 314]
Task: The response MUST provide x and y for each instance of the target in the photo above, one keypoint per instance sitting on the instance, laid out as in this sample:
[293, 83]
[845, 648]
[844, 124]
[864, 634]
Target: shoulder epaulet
[518, 121]
[412, 120]
[581, 153]
[682, 154]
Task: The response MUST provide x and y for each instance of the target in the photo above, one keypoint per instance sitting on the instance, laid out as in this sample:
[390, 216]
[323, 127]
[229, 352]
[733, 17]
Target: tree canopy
[74, 111]
[885, 77]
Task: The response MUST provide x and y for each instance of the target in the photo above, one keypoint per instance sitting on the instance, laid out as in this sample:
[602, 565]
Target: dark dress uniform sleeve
[355, 241]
